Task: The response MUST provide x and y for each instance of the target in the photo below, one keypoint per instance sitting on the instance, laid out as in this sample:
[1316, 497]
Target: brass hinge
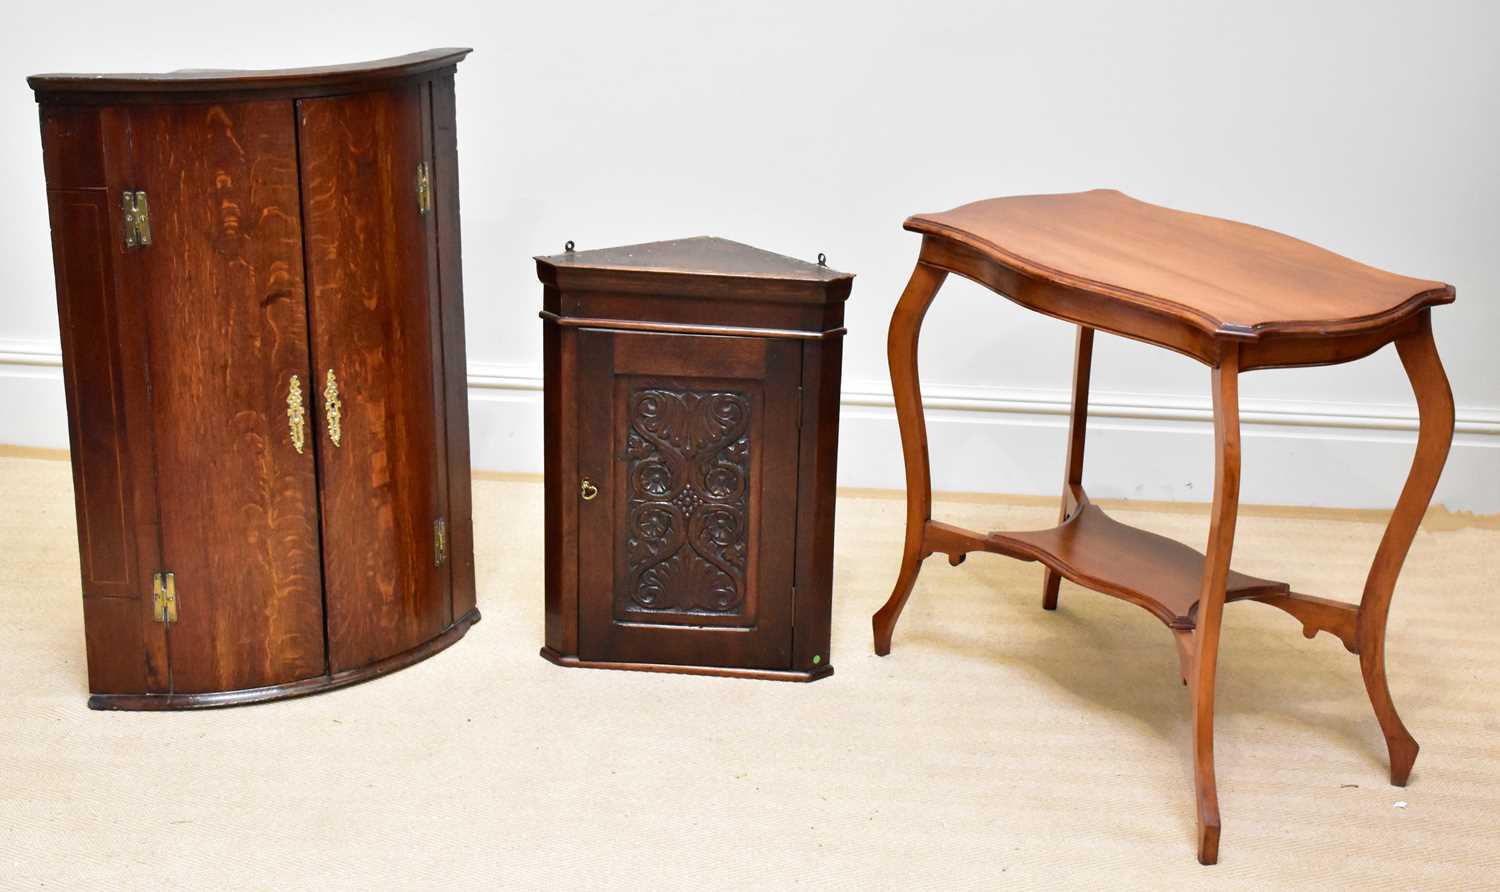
[424, 189]
[137, 219]
[164, 597]
[439, 542]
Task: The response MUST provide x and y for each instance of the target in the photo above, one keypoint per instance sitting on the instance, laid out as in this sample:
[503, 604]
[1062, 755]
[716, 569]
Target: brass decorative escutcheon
[296, 415]
[333, 409]
[588, 490]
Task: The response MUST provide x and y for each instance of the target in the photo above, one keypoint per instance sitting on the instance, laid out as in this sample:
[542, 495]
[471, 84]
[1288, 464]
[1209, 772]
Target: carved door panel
[377, 352]
[687, 519]
[226, 325]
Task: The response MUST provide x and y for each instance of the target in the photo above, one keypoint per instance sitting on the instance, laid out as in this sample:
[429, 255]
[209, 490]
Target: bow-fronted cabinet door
[368, 208]
[216, 258]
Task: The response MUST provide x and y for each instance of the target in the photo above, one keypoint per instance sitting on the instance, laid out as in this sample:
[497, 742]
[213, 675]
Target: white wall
[802, 127]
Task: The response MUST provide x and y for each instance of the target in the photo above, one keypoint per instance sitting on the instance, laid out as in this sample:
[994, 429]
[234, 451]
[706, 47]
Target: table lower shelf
[1095, 551]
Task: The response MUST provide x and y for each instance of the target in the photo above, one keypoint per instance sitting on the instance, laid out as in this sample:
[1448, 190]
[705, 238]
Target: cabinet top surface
[1228, 278]
[698, 256]
[207, 80]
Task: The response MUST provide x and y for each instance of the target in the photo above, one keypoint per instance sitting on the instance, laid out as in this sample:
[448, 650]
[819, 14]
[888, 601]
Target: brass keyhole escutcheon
[296, 415]
[333, 409]
[588, 490]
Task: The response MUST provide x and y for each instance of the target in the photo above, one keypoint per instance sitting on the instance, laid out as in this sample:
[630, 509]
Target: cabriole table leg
[906, 327]
[1211, 601]
[1435, 434]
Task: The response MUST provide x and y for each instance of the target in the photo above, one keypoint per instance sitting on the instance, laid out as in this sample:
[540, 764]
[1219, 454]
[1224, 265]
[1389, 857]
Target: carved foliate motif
[687, 457]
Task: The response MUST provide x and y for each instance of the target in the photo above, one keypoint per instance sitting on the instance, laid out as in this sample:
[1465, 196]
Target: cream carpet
[997, 747]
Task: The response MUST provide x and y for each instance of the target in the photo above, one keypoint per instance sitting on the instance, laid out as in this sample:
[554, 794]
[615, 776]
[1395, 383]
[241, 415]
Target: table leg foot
[1403, 752]
[1399, 743]
[1205, 782]
[1050, 584]
[1208, 841]
[884, 620]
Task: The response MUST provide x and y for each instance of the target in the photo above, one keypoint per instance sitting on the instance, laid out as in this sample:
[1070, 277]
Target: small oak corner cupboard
[259, 295]
[691, 405]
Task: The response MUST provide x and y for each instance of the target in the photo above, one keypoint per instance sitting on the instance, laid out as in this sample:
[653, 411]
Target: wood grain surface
[227, 330]
[383, 486]
[1227, 278]
[126, 650]
[82, 237]
[85, 154]
[1097, 552]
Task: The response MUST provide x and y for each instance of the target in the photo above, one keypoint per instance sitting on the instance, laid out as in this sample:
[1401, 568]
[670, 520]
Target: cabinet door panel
[686, 553]
[227, 330]
[373, 321]
[114, 484]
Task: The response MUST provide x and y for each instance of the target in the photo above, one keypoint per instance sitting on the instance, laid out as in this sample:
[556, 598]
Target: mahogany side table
[692, 408]
[1232, 296]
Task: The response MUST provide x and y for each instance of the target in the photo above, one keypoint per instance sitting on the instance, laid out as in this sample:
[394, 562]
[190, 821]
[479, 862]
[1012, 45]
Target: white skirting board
[989, 440]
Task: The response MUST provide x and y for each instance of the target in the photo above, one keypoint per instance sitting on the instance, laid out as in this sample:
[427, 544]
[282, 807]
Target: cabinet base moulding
[318, 684]
[553, 656]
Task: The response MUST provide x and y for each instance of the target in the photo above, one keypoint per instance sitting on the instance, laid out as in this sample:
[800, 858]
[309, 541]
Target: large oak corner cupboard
[259, 295]
[691, 426]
